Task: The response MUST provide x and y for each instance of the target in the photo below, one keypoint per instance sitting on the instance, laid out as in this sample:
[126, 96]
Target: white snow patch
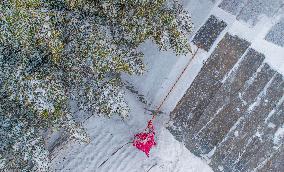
[107, 135]
[199, 9]
[252, 78]
[241, 97]
[261, 95]
[256, 35]
[162, 71]
[273, 54]
[184, 82]
[173, 156]
[279, 135]
[207, 157]
[221, 168]
[232, 72]
[253, 105]
[272, 112]
[211, 119]
[236, 133]
[259, 135]
[271, 125]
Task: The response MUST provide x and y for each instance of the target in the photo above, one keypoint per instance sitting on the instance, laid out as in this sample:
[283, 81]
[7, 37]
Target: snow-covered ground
[162, 70]
[108, 135]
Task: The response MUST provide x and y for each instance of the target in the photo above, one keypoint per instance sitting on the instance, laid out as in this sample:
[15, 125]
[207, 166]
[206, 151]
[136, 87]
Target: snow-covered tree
[54, 51]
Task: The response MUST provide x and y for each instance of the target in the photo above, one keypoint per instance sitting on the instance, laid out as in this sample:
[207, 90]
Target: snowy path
[109, 134]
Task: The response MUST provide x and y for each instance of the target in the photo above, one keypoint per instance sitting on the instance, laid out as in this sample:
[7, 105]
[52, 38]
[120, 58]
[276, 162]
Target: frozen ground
[162, 70]
[108, 135]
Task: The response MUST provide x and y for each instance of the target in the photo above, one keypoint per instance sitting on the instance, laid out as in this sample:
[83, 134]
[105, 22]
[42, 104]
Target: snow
[175, 157]
[220, 168]
[261, 95]
[200, 10]
[158, 65]
[107, 135]
[273, 53]
[232, 72]
[208, 156]
[279, 135]
[256, 35]
[162, 70]
[271, 113]
[183, 83]
[271, 125]
[236, 133]
[259, 135]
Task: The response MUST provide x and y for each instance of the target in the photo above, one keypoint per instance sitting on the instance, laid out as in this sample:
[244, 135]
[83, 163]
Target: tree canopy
[55, 51]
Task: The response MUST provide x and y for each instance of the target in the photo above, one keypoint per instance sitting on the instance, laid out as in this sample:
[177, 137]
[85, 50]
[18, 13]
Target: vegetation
[56, 51]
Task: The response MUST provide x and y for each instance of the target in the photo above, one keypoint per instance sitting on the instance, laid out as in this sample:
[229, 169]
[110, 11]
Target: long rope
[172, 88]
[159, 107]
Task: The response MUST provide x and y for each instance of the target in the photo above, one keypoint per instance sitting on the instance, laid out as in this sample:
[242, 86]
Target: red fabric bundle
[146, 140]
